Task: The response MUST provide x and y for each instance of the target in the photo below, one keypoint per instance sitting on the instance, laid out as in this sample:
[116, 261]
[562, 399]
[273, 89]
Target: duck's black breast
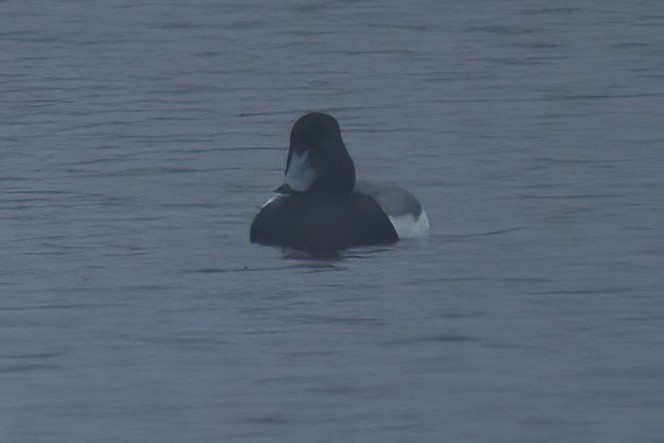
[322, 224]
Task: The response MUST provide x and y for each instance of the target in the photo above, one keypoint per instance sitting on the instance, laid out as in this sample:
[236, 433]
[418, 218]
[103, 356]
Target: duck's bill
[284, 189]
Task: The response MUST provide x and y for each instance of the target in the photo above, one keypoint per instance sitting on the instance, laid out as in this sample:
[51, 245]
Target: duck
[321, 209]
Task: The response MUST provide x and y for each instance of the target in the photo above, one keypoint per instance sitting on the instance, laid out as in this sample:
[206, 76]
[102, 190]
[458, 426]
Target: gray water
[138, 140]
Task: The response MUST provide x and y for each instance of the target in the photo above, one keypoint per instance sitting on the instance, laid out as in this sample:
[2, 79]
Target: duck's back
[321, 225]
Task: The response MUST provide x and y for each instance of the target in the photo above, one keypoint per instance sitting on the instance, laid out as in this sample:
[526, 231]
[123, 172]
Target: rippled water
[137, 140]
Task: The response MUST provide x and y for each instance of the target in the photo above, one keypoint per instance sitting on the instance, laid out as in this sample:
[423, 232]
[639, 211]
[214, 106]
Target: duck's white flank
[407, 227]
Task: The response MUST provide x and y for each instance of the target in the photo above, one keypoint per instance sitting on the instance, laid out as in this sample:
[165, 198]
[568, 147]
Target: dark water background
[138, 139]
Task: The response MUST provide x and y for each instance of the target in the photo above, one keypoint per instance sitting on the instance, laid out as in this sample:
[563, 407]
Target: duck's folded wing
[404, 210]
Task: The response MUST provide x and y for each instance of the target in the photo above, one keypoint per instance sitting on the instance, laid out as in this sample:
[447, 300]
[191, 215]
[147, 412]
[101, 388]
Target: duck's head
[318, 161]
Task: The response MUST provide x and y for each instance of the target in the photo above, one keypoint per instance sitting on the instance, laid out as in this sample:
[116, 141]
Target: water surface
[137, 141]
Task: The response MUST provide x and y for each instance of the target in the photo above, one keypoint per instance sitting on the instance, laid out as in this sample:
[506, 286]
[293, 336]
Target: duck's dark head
[318, 161]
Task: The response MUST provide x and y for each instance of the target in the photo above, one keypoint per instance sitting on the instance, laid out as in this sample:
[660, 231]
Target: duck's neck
[337, 178]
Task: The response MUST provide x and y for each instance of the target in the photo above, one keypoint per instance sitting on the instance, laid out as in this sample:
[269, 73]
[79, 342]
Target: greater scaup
[320, 209]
